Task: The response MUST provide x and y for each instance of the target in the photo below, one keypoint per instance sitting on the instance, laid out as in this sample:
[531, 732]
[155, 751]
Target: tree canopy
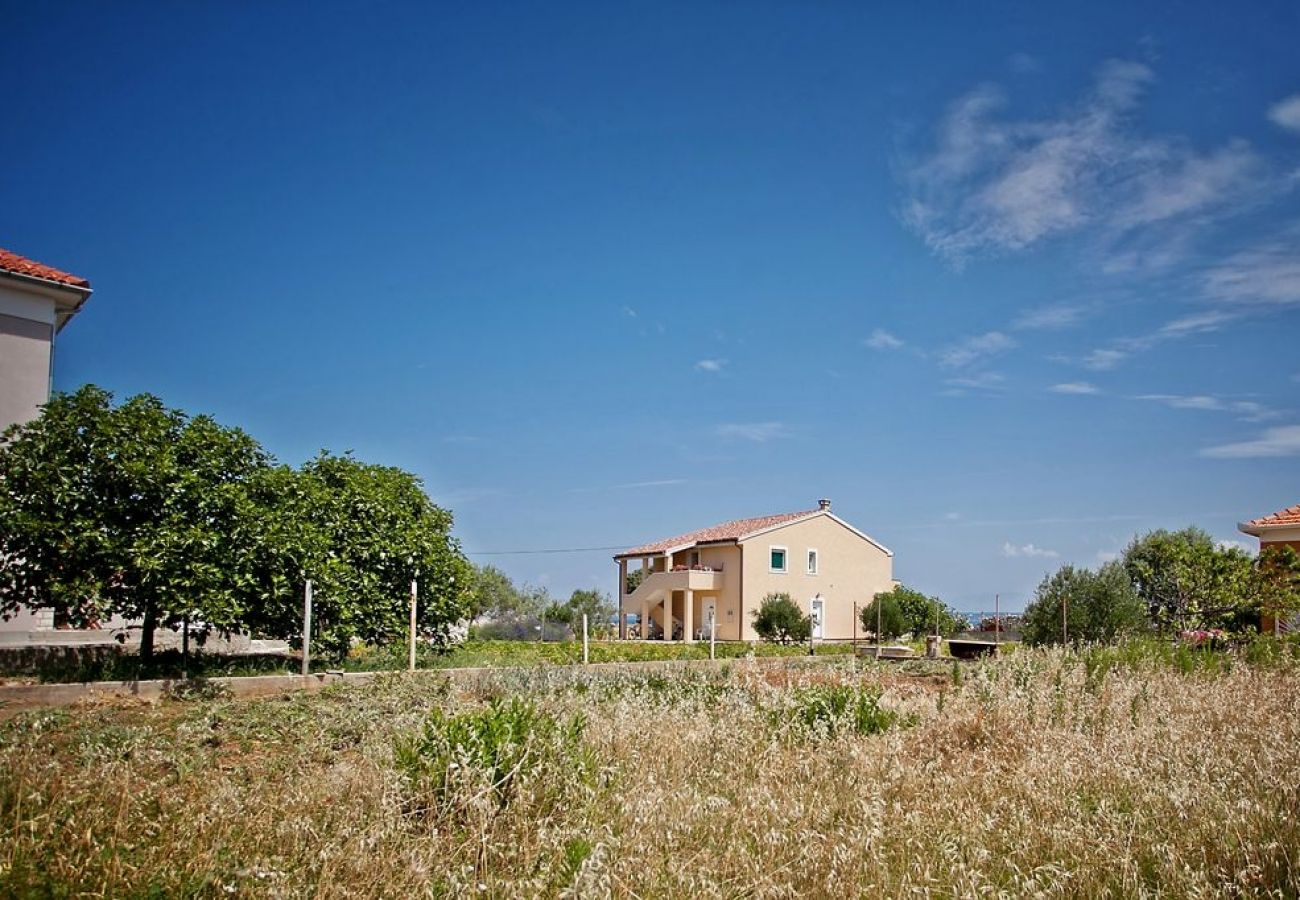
[1098, 606]
[1186, 580]
[141, 511]
[779, 619]
[921, 614]
[886, 613]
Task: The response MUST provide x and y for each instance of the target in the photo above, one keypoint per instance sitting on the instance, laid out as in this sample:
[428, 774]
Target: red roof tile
[727, 531]
[1288, 516]
[21, 265]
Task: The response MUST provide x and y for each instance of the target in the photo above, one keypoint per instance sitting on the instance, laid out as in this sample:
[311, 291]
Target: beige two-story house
[722, 574]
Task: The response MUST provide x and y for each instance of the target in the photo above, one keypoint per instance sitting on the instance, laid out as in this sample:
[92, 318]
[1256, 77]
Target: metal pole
[713, 634]
[1065, 623]
[878, 605]
[415, 589]
[855, 628]
[306, 629]
[997, 619]
[584, 639]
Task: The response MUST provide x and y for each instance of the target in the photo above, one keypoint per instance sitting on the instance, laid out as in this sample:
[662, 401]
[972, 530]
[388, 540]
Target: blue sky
[1009, 284]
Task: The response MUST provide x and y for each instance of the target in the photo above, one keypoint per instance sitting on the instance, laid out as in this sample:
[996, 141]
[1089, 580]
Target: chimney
[824, 504]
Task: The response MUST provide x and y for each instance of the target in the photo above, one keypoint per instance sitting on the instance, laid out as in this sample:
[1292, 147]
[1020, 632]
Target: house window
[777, 559]
[812, 562]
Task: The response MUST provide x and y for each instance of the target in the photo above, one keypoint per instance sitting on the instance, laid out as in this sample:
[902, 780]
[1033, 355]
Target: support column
[645, 619]
[668, 615]
[688, 617]
[622, 593]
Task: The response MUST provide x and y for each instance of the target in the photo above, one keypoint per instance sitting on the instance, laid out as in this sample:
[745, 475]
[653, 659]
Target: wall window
[812, 562]
[777, 563]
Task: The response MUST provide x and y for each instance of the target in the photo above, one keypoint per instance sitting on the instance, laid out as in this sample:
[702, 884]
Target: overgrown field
[1080, 774]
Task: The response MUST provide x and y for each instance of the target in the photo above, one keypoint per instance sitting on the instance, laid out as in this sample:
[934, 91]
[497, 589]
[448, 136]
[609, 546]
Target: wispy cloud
[881, 339]
[710, 365]
[758, 432]
[1261, 277]
[1052, 318]
[1011, 550]
[1074, 387]
[629, 485]
[1248, 410]
[980, 381]
[1286, 113]
[1104, 359]
[1274, 442]
[975, 349]
[994, 185]
[629, 312]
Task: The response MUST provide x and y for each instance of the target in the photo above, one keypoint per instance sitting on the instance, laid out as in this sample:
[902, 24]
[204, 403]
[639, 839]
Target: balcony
[679, 578]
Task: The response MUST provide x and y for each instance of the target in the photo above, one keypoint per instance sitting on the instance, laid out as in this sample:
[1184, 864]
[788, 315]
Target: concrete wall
[850, 570]
[26, 351]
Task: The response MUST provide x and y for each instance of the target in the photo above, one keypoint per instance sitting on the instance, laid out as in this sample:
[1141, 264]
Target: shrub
[832, 709]
[892, 622]
[921, 614]
[1098, 606]
[490, 750]
[781, 620]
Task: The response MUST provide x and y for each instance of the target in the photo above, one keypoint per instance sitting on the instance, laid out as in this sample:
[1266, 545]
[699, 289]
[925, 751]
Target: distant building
[724, 572]
[36, 302]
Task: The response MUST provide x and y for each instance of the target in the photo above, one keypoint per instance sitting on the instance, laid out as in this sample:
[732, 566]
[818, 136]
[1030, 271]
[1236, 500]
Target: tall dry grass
[1046, 773]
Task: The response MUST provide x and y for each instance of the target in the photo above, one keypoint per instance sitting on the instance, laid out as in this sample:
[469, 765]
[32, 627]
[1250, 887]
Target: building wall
[850, 570]
[27, 323]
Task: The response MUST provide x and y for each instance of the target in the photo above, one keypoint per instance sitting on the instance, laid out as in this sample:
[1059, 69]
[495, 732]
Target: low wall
[16, 697]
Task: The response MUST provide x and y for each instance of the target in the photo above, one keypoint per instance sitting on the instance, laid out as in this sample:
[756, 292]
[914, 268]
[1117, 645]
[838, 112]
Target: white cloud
[1027, 550]
[629, 312]
[993, 184]
[1248, 410]
[976, 348]
[1286, 113]
[1074, 387]
[1274, 442]
[1234, 544]
[881, 339]
[1049, 318]
[710, 365]
[1264, 276]
[981, 381]
[758, 432]
[1104, 359]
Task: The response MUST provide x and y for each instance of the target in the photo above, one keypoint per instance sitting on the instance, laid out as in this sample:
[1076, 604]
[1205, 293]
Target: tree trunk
[147, 633]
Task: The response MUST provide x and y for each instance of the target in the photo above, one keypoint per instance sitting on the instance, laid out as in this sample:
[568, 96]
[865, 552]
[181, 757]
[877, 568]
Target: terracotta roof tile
[1288, 516]
[21, 265]
[727, 531]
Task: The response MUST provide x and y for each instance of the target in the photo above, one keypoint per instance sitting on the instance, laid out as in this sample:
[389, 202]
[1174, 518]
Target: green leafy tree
[134, 510]
[595, 604]
[1099, 606]
[497, 596]
[361, 532]
[634, 579]
[144, 512]
[779, 619]
[922, 614]
[1276, 582]
[1186, 580]
[892, 623]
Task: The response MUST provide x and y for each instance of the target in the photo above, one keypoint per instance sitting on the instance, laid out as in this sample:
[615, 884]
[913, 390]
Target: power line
[551, 550]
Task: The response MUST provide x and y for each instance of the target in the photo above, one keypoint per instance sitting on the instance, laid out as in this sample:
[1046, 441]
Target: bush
[780, 619]
[494, 750]
[922, 614]
[1098, 606]
[892, 621]
[832, 709]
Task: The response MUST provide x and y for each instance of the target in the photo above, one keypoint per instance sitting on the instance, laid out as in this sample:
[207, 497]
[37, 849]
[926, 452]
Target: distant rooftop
[727, 531]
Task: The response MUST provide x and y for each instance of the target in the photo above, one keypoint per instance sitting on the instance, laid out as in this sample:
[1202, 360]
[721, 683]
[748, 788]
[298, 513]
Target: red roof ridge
[726, 531]
[14, 264]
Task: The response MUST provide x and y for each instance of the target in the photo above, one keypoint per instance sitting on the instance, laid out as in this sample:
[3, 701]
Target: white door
[708, 613]
[818, 616]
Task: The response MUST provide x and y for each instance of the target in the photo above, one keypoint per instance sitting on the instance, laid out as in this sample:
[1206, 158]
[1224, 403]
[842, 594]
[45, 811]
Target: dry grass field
[1047, 773]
